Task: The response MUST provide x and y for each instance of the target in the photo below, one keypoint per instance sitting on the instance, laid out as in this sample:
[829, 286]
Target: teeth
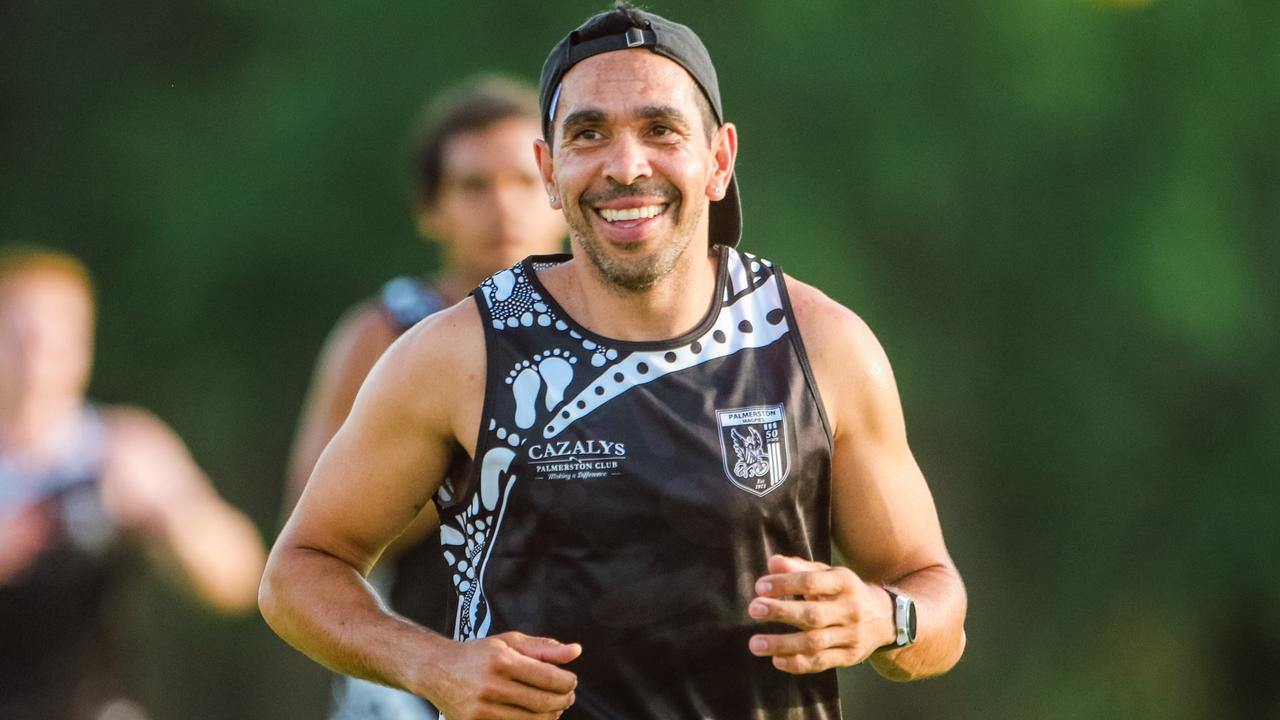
[647, 211]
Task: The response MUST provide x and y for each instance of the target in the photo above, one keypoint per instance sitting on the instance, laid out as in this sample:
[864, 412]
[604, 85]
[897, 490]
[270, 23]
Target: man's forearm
[324, 608]
[214, 549]
[941, 605]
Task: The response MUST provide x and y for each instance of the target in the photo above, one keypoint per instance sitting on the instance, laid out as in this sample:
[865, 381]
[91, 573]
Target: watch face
[911, 621]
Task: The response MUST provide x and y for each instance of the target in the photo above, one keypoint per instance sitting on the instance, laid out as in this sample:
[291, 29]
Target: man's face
[631, 165]
[491, 211]
[46, 337]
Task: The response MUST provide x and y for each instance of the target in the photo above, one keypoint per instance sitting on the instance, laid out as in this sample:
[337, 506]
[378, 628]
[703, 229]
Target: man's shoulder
[849, 364]
[429, 374]
[145, 463]
[449, 337]
[822, 319]
[133, 426]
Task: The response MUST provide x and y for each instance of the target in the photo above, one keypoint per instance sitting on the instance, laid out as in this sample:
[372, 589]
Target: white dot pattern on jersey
[753, 324]
[514, 302]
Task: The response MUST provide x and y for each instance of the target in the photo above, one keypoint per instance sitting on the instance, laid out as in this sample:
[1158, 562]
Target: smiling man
[640, 454]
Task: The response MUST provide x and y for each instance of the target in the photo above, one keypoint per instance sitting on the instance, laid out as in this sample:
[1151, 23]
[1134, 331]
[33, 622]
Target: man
[80, 485]
[639, 483]
[478, 195]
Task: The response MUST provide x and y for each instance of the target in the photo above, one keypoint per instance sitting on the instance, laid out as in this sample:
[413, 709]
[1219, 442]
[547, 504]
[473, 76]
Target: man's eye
[664, 132]
[588, 134]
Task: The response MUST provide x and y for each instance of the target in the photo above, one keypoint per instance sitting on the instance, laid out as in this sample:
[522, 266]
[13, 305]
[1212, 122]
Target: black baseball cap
[626, 27]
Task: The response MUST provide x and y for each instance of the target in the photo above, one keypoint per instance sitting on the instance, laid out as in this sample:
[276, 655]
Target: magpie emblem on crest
[759, 438]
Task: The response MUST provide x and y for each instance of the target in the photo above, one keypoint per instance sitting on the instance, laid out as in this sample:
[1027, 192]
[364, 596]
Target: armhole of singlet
[474, 468]
[797, 343]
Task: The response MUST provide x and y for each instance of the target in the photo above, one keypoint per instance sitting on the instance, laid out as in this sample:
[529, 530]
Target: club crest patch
[755, 445]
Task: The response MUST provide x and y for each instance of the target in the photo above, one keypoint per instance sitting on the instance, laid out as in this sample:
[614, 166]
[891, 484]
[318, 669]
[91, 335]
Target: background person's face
[491, 211]
[46, 338]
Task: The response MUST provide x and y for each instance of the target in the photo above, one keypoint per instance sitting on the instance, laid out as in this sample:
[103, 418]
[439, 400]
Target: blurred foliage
[1061, 218]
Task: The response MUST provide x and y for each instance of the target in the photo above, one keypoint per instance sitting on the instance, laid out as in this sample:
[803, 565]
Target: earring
[552, 199]
[716, 189]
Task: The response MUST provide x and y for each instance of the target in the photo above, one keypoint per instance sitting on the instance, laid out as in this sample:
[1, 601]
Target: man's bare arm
[883, 519]
[348, 355]
[419, 405]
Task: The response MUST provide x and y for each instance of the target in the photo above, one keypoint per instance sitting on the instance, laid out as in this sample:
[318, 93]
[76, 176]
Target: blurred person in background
[82, 486]
[477, 194]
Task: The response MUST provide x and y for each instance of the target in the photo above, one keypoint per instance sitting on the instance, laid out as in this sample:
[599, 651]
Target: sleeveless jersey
[627, 495]
[56, 658]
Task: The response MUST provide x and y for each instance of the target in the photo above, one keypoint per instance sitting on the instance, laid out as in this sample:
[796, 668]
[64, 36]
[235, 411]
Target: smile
[636, 213]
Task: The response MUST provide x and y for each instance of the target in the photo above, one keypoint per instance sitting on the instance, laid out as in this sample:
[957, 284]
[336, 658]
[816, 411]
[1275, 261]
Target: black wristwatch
[904, 620]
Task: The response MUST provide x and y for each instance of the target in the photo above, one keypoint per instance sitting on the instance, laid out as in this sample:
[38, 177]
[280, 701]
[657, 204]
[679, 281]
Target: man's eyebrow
[662, 112]
[582, 118]
[587, 117]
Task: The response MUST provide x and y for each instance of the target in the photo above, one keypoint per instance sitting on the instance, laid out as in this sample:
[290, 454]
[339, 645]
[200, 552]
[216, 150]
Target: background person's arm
[154, 487]
[883, 521]
[381, 468]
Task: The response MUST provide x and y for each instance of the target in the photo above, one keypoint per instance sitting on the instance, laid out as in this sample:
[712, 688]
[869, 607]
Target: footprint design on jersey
[503, 285]
[467, 540]
[551, 370]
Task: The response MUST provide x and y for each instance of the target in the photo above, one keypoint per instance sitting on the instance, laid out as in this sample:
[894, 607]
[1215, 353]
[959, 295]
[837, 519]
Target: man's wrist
[433, 652]
[887, 636]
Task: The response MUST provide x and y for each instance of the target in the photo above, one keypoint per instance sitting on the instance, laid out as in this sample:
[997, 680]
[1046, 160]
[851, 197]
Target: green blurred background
[1060, 217]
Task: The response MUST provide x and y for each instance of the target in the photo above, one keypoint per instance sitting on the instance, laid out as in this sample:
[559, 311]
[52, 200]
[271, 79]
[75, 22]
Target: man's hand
[511, 676]
[842, 619]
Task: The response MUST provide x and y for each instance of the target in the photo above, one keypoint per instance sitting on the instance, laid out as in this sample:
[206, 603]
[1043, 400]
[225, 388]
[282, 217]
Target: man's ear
[547, 169]
[724, 154]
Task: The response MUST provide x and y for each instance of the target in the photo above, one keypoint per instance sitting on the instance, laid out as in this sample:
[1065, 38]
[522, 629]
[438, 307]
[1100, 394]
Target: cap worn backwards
[624, 28]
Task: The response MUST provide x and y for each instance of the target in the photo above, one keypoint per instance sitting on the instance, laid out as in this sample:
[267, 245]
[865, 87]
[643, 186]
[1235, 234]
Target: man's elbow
[270, 600]
[903, 670]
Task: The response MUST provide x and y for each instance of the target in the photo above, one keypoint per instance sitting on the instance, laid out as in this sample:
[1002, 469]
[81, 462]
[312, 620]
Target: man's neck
[670, 308]
[26, 423]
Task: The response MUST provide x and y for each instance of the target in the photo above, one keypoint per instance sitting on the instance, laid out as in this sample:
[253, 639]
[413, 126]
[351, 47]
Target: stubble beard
[635, 275]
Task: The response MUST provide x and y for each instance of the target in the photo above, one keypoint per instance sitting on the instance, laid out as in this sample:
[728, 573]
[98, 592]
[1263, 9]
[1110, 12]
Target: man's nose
[628, 160]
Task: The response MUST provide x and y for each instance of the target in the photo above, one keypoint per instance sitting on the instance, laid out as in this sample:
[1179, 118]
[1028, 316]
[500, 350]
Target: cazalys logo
[755, 444]
[577, 459]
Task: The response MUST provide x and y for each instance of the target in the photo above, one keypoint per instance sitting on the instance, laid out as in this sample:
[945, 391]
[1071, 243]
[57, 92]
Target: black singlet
[56, 655]
[627, 496]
